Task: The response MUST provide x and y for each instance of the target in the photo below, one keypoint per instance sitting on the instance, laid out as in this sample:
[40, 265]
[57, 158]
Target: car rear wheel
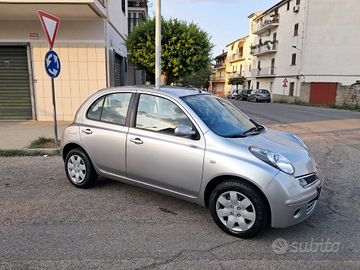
[238, 209]
[79, 169]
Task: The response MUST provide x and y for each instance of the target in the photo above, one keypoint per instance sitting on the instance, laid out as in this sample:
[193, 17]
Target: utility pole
[158, 45]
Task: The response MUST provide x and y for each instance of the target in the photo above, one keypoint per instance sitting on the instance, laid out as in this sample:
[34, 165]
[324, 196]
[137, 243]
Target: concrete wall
[349, 94]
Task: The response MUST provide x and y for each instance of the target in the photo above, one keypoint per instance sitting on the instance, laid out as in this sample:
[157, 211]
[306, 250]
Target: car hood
[284, 144]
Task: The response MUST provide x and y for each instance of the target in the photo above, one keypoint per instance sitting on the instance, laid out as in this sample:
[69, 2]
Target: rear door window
[111, 108]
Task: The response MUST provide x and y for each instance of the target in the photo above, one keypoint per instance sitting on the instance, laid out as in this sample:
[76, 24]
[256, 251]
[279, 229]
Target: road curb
[43, 150]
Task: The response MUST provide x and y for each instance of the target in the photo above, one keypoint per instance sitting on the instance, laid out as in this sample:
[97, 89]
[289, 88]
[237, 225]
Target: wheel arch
[70, 146]
[218, 180]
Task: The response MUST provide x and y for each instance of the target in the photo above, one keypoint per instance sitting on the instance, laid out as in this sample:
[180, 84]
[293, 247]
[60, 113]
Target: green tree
[198, 79]
[236, 81]
[185, 49]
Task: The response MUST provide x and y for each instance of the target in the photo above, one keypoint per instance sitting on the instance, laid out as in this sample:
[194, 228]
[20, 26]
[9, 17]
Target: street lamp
[296, 48]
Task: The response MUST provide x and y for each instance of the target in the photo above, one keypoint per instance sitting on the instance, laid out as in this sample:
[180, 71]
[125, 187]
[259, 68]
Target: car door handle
[87, 131]
[136, 141]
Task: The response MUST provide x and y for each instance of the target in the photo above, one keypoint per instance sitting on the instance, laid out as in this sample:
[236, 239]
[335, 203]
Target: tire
[238, 209]
[255, 99]
[268, 101]
[248, 99]
[79, 169]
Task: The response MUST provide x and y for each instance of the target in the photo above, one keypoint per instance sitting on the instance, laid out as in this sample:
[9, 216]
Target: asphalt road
[46, 223]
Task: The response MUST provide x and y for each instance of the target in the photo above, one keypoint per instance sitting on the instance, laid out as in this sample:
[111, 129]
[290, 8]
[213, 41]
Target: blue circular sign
[52, 64]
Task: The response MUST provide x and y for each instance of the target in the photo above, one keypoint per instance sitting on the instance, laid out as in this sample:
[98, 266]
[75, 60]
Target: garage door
[15, 98]
[322, 93]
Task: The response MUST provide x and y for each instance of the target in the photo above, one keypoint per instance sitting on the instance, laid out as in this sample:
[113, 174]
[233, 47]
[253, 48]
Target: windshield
[219, 115]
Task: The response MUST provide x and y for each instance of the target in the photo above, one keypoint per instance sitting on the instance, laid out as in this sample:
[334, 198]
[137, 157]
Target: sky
[224, 20]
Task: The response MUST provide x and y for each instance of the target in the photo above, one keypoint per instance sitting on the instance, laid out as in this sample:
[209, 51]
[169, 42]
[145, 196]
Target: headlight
[276, 160]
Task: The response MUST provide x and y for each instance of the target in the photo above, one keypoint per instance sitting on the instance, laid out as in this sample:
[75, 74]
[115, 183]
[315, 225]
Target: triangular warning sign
[50, 24]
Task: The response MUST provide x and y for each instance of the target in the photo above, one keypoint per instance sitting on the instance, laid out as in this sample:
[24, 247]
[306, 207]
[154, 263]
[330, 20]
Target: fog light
[297, 213]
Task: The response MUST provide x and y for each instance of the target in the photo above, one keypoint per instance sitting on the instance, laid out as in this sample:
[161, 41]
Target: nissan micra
[198, 147]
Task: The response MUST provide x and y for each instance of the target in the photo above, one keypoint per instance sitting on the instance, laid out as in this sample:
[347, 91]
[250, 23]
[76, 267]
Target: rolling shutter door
[15, 98]
[118, 81]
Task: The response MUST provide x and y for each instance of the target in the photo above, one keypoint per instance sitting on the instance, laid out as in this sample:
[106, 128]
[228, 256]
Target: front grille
[310, 180]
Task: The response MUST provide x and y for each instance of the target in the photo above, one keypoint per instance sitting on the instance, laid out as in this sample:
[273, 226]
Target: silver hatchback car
[198, 147]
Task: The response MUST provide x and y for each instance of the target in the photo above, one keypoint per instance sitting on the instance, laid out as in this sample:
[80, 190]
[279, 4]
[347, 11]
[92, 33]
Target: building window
[293, 59]
[291, 89]
[123, 5]
[257, 85]
[298, 2]
[288, 5]
[296, 30]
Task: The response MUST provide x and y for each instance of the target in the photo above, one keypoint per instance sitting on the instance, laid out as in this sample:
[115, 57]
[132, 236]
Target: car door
[156, 156]
[103, 132]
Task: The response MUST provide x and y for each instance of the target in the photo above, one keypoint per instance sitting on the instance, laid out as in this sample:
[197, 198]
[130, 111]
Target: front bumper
[290, 203]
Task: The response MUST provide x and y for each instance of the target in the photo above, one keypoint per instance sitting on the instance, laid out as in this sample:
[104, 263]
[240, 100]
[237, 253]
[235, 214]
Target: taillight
[258, 95]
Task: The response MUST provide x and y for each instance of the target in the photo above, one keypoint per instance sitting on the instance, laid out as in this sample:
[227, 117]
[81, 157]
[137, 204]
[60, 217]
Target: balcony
[264, 71]
[266, 48]
[235, 57]
[220, 65]
[269, 22]
[133, 22]
[217, 79]
[65, 10]
[138, 5]
[235, 74]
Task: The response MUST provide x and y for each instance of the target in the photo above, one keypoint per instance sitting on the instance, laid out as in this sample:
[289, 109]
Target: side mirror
[184, 131]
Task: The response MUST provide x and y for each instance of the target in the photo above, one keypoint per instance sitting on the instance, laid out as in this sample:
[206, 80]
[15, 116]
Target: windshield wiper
[237, 135]
[257, 128]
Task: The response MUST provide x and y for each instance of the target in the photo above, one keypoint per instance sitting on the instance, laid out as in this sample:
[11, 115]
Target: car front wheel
[238, 209]
[79, 169]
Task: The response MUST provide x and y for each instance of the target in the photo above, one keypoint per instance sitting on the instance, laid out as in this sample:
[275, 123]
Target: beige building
[90, 46]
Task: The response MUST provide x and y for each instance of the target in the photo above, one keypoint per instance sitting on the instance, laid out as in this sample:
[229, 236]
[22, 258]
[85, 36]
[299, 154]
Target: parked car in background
[243, 94]
[233, 93]
[247, 174]
[259, 95]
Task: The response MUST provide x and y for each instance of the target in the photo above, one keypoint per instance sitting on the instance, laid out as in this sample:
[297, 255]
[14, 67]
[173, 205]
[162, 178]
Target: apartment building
[312, 45]
[90, 46]
[218, 77]
[236, 61]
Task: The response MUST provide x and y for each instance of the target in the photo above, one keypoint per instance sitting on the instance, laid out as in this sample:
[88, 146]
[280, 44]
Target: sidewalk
[18, 135]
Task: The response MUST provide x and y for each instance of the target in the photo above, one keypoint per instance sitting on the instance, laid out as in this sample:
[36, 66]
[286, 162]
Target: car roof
[171, 90]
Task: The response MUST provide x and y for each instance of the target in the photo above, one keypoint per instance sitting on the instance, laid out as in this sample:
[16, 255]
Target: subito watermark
[281, 246]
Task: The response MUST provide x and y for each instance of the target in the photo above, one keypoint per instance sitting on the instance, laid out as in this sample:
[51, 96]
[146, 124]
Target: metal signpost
[50, 24]
[285, 81]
